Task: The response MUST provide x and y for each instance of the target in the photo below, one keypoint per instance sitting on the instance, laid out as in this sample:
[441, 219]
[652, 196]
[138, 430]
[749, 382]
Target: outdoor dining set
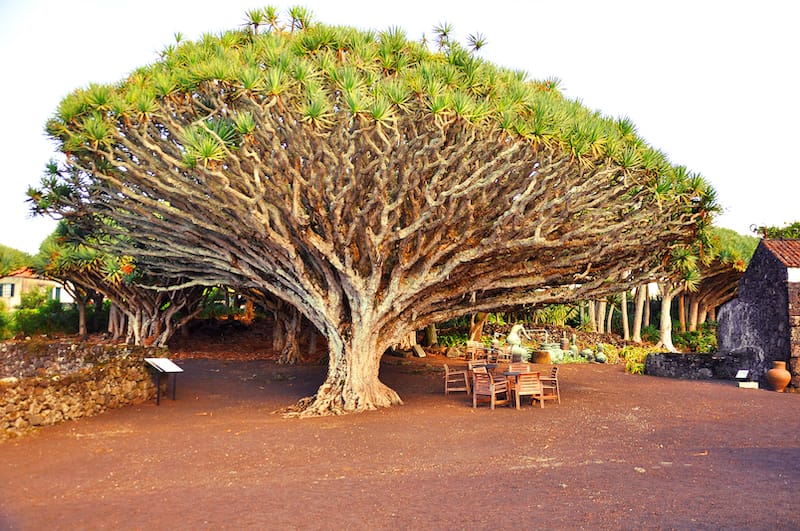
[496, 383]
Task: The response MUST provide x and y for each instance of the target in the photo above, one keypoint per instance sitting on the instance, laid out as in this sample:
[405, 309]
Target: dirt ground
[621, 451]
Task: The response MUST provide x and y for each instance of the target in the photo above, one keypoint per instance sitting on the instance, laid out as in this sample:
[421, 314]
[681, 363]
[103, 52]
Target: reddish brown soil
[621, 451]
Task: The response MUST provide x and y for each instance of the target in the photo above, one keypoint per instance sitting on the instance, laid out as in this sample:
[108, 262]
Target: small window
[57, 293]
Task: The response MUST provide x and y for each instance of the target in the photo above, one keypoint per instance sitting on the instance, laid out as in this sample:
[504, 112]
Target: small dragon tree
[87, 267]
[374, 184]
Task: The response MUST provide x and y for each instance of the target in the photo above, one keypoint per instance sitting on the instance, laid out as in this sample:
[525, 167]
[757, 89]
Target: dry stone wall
[42, 384]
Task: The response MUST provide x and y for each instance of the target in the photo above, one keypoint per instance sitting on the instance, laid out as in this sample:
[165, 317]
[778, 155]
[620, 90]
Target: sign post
[165, 366]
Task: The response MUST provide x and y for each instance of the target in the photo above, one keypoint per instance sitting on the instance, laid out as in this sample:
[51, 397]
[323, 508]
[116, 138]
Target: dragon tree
[148, 316]
[373, 183]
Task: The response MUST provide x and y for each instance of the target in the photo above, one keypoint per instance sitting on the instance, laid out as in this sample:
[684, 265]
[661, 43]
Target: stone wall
[707, 366]
[793, 289]
[755, 325]
[46, 384]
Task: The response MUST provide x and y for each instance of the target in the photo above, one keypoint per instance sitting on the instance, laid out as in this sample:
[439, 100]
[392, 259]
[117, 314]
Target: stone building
[762, 324]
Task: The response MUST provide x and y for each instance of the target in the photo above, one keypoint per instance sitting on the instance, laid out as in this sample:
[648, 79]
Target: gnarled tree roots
[328, 402]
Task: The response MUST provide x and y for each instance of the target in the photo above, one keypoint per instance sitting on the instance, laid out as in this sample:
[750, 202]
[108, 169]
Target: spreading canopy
[374, 184]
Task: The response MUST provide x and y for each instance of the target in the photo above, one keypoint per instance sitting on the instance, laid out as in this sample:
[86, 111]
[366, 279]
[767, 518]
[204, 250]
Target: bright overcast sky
[713, 84]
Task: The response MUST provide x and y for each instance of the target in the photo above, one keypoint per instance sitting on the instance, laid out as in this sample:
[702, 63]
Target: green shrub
[5, 322]
[634, 357]
[703, 340]
[452, 340]
[49, 317]
[554, 314]
[651, 334]
[572, 358]
[33, 299]
[497, 319]
[611, 352]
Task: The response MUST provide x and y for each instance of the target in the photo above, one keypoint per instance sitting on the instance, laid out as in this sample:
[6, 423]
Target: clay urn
[778, 377]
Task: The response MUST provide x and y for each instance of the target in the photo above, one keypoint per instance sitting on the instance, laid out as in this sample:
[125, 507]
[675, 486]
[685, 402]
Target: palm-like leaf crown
[322, 70]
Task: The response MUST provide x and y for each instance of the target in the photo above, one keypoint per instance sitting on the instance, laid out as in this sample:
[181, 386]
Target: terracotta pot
[541, 356]
[778, 377]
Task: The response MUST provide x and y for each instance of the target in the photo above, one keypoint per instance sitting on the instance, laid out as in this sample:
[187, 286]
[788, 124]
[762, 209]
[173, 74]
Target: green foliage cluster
[498, 319]
[11, 259]
[454, 339]
[320, 71]
[612, 353]
[703, 340]
[38, 314]
[734, 248]
[572, 358]
[5, 322]
[651, 333]
[635, 356]
[51, 317]
[791, 230]
[555, 314]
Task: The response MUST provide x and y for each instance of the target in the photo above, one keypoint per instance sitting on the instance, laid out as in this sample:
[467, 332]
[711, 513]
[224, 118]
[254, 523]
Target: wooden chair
[471, 365]
[476, 350]
[528, 384]
[550, 385]
[519, 366]
[484, 385]
[455, 380]
[503, 353]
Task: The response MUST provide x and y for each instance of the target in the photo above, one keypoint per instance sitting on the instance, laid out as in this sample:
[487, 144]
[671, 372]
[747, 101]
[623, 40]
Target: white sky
[713, 84]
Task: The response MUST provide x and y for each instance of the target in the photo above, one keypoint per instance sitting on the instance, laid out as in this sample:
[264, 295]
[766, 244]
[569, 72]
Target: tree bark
[682, 311]
[117, 325]
[638, 313]
[601, 315]
[431, 338]
[694, 313]
[703, 316]
[290, 354]
[592, 315]
[668, 293]
[626, 329]
[476, 324]
[352, 383]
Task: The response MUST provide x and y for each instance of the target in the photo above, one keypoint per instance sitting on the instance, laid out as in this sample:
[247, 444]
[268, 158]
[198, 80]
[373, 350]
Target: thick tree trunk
[601, 316]
[646, 321]
[290, 353]
[609, 320]
[352, 384]
[477, 321]
[81, 304]
[116, 322]
[592, 315]
[638, 313]
[431, 338]
[694, 313]
[701, 319]
[665, 324]
[682, 311]
[626, 329]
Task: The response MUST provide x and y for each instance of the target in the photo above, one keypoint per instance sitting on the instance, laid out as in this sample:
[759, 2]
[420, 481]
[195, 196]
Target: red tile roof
[787, 251]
